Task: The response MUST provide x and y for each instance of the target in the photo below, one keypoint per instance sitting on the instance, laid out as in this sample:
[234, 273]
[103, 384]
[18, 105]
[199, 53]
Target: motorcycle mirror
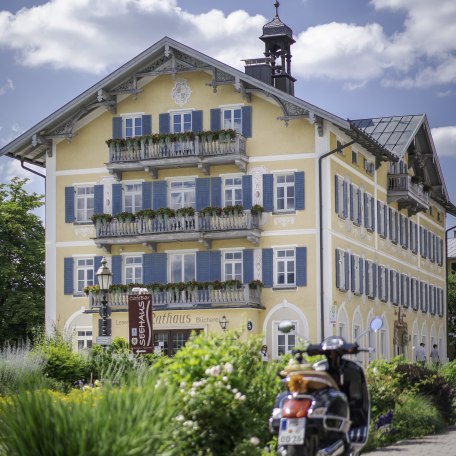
[286, 326]
[376, 324]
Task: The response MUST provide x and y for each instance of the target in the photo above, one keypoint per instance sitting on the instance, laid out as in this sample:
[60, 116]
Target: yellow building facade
[233, 201]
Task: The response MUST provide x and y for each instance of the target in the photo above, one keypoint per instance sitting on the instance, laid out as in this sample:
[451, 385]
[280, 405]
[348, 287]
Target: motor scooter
[325, 408]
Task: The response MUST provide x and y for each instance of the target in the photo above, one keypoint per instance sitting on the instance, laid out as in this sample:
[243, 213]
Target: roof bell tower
[275, 68]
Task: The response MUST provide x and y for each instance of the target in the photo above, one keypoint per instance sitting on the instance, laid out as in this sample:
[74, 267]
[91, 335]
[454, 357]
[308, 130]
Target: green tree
[21, 263]
[452, 309]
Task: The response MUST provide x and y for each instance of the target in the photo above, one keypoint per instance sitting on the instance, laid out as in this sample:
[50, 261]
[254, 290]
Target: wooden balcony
[407, 194]
[198, 227]
[187, 299]
[145, 154]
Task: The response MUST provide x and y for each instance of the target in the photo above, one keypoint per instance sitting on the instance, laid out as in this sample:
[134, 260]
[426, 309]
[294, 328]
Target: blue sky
[353, 58]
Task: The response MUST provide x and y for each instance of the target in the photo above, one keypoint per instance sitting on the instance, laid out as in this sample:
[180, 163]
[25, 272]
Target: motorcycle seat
[317, 380]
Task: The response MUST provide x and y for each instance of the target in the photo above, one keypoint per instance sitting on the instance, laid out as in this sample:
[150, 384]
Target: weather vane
[277, 4]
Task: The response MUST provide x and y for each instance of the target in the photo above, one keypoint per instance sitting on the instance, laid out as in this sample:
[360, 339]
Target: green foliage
[448, 372]
[22, 265]
[136, 419]
[61, 364]
[227, 394]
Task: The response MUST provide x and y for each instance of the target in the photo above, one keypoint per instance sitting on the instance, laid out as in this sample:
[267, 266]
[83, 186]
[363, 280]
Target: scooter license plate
[292, 431]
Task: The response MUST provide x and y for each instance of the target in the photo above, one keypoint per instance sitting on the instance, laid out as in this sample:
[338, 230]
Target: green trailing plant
[185, 212]
[215, 135]
[125, 217]
[257, 209]
[211, 211]
[255, 284]
[146, 214]
[165, 212]
[118, 288]
[91, 289]
[101, 217]
[233, 210]
[232, 284]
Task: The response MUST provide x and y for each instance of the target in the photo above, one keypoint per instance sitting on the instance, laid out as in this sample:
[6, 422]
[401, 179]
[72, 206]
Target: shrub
[227, 394]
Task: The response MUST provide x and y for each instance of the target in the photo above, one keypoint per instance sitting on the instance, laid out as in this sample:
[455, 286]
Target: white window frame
[188, 194]
[405, 292]
[285, 260]
[289, 339]
[132, 190]
[343, 286]
[384, 280]
[232, 258]
[357, 277]
[370, 272]
[182, 257]
[356, 216]
[182, 122]
[229, 186]
[135, 128]
[86, 211]
[394, 298]
[87, 270]
[383, 336]
[131, 266]
[368, 207]
[381, 221]
[286, 186]
[342, 195]
[86, 338]
[231, 123]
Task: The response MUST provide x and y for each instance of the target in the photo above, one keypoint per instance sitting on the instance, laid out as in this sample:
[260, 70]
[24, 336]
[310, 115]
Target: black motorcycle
[325, 408]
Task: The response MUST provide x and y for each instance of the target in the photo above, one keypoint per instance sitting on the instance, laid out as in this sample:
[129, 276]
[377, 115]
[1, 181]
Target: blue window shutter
[203, 193]
[68, 276]
[441, 251]
[147, 124]
[345, 189]
[117, 127]
[407, 290]
[380, 282]
[386, 284]
[163, 123]
[197, 121]
[385, 220]
[116, 269]
[247, 121]
[425, 242]
[406, 233]
[361, 275]
[402, 283]
[159, 194]
[247, 191]
[216, 265]
[148, 259]
[374, 279]
[268, 192]
[351, 203]
[338, 254]
[96, 266]
[301, 266]
[203, 266]
[372, 213]
[98, 199]
[416, 237]
[216, 191]
[336, 186]
[147, 195]
[299, 191]
[390, 220]
[216, 119]
[158, 268]
[379, 210]
[116, 199]
[352, 273]
[347, 270]
[247, 266]
[366, 276]
[267, 267]
[366, 214]
[69, 205]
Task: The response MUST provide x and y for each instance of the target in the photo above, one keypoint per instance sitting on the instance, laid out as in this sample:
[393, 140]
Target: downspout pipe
[320, 192]
[446, 281]
[32, 170]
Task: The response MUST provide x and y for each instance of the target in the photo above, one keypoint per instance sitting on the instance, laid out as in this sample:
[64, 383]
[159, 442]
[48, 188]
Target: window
[285, 342]
[132, 197]
[354, 157]
[404, 290]
[403, 231]
[342, 268]
[133, 269]
[383, 283]
[357, 274]
[413, 240]
[181, 121]
[182, 194]
[284, 267]
[285, 192]
[169, 342]
[370, 279]
[383, 344]
[84, 273]
[355, 204]
[182, 267]
[232, 119]
[232, 191]
[84, 203]
[84, 340]
[382, 222]
[132, 126]
[232, 266]
[368, 212]
[394, 290]
[341, 197]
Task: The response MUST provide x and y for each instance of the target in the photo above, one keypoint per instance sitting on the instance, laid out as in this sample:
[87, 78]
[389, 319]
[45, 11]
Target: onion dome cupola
[278, 38]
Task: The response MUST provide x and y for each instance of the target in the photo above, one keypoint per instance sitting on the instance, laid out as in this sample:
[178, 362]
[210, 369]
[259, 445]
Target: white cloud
[8, 85]
[445, 141]
[7, 136]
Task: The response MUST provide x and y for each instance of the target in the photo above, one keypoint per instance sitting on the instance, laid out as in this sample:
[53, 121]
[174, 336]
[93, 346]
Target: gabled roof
[167, 56]
[412, 134]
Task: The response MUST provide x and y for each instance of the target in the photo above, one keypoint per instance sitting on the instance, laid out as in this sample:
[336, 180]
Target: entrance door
[170, 341]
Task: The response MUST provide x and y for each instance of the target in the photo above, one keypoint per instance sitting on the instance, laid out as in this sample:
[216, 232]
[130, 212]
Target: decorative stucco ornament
[181, 92]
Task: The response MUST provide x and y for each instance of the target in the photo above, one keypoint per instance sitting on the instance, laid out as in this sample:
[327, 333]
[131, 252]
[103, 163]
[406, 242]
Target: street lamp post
[104, 280]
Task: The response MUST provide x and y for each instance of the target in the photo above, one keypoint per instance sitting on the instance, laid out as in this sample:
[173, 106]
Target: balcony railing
[200, 227]
[406, 193]
[149, 155]
[172, 299]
